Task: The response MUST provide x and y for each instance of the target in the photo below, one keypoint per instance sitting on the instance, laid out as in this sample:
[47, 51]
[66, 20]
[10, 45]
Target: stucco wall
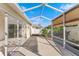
[71, 15]
[72, 18]
[74, 31]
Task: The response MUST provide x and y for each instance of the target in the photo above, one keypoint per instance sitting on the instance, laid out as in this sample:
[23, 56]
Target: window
[12, 31]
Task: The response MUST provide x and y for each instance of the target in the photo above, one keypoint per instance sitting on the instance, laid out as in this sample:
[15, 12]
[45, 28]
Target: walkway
[40, 46]
[36, 46]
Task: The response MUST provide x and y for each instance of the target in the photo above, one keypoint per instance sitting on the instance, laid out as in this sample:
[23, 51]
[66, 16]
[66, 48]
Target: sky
[48, 13]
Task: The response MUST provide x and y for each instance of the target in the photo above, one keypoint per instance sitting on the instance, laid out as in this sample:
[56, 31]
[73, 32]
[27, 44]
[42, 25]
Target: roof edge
[66, 12]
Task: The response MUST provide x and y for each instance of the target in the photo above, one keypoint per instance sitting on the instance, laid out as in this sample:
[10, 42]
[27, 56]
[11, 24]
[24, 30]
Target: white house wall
[12, 19]
[36, 31]
[74, 33]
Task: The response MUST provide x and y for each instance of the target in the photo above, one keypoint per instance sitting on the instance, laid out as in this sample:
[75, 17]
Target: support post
[51, 30]
[64, 31]
[18, 32]
[6, 33]
[23, 34]
[24, 31]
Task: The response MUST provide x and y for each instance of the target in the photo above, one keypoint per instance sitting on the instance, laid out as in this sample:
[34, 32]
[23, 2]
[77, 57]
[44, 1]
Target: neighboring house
[71, 22]
[36, 30]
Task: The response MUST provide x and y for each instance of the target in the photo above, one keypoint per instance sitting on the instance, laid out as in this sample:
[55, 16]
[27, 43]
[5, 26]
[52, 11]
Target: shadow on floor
[15, 53]
[32, 45]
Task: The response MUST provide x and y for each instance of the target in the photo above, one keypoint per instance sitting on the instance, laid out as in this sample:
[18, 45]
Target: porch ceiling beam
[42, 9]
[45, 17]
[35, 17]
[54, 8]
[32, 8]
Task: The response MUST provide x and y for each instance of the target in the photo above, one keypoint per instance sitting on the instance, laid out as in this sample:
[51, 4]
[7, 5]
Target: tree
[46, 31]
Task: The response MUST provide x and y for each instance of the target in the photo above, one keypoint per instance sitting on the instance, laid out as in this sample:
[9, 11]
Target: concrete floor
[45, 49]
[37, 46]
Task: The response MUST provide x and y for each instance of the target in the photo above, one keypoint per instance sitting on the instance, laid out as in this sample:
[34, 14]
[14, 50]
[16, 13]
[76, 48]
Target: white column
[51, 30]
[18, 32]
[17, 29]
[24, 31]
[31, 29]
[6, 33]
[64, 31]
